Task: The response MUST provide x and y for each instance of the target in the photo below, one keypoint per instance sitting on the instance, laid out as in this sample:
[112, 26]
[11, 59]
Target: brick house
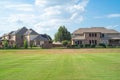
[96, 35]
[17, 37]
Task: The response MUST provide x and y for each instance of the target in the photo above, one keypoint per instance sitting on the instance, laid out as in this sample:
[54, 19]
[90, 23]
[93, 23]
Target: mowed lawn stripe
[25, 66]
[99, 68]
[40, 65]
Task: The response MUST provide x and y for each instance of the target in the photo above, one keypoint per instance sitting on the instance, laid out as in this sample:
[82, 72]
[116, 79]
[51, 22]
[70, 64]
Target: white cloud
[52, 11]
[74, 16]
[112, 26]
[108, 16]
[26, 18]
[65, 12]
[21, 7]
[47, 15]
[113, 15]
[41, 3]
[80, 6]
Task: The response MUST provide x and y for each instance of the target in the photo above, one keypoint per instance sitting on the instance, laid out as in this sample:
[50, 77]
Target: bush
[25, 44]
[87, 45]
[14, 46]
[65, 42]
[5, 43]
[80, 46]
[93, 46]
[103, 45]
[74, 46]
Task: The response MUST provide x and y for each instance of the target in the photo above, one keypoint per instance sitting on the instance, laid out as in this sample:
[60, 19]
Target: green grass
[60, 64]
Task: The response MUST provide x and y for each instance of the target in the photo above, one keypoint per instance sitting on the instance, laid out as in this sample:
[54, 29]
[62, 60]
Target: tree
[5, 43]
[62, 34]
[25, 44]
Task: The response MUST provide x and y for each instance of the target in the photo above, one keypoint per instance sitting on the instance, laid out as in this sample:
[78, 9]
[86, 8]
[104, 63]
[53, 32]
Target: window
[92, 41]
[78, 42]
[89, 34]
[95, 35]
[92, 34]
[102, 35]
[89, 41]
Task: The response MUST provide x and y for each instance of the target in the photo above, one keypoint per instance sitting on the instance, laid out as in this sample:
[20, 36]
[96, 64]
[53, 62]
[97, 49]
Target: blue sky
[45, 16]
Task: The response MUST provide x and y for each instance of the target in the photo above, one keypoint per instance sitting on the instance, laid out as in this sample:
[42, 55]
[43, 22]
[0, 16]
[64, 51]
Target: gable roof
[11, 32]
[31, 32]
[20, 31]
[94, 29]
[46, 36]
[42, 37]
[8, 33]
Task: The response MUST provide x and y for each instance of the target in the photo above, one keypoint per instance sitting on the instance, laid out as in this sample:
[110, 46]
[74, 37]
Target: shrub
[103, 45]
[14, 46]
[80, 46]
[93, 46]
[87, 45]
[5, 43]
[73, 46]
[65, 42]
[25, 44]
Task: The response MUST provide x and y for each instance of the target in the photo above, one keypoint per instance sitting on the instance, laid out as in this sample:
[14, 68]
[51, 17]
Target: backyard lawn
[60, 64]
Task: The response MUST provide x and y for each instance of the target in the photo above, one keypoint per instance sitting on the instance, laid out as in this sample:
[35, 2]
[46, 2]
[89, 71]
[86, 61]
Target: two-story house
[19, 36]
[96, 35]
[35, 38]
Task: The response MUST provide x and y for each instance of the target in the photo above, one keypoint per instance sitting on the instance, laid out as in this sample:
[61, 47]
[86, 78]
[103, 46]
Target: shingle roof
[31, 32]
[10, 33]
[20, 31]
[46, 36]
[41, 38]
[95, 29]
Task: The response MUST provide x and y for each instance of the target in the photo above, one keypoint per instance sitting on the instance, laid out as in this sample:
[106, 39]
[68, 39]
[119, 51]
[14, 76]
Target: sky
[45, 16]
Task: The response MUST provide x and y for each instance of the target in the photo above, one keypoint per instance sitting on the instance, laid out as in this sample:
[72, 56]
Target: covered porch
[78, 40]
[114, 42]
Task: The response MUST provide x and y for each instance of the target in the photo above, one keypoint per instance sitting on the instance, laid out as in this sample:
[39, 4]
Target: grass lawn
[60, 64]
